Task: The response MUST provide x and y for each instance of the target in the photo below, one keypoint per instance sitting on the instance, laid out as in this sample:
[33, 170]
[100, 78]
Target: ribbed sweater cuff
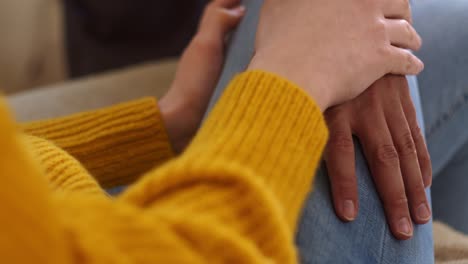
[272, 127]
[115, 144]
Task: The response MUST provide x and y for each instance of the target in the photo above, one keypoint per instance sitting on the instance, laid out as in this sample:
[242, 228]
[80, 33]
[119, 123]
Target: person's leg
[450, 193]
[444, 92]
[322, 237]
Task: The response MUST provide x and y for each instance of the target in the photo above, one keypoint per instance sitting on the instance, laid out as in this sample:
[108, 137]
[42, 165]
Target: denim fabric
[322, 237]
[444, 95]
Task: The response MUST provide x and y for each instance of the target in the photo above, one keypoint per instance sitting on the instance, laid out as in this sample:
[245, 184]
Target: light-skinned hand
[335, 49]
[184, 105]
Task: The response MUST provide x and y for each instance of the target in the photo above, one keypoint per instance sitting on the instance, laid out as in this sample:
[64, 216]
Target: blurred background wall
[105, 34]
[43, 42]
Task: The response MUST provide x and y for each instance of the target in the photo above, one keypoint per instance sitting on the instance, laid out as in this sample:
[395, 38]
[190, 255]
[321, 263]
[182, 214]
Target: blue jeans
[322, 237]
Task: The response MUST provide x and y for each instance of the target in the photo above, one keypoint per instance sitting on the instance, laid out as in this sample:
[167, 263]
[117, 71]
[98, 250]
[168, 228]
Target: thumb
[218, 21]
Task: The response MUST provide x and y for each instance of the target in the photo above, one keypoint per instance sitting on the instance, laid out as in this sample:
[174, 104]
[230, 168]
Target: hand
[185, 103]
[384, 120]
[335, 49]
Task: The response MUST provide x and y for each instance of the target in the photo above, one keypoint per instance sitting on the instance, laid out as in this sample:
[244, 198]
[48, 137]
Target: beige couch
[94, 91]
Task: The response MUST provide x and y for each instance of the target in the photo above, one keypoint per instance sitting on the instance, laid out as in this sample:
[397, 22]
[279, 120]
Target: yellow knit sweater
[234, 196]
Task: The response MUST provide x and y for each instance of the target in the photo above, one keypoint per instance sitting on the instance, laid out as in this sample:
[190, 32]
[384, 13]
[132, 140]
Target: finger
[232, 17]
[403, 62]
[385, 168]
[397, 9]
[339, 158]
[424, 158]
[218, 21]
[406, 149]
[402, 34]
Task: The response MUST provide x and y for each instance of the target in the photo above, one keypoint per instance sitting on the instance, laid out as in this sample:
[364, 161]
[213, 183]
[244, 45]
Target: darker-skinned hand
[383, 118]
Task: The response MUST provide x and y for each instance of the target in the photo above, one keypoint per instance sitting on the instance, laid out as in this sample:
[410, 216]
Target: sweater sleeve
[234, 196]
[116, 144]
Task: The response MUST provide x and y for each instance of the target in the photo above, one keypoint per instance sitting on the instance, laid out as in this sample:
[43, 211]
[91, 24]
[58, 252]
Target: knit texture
[234, 196]
[116, 145]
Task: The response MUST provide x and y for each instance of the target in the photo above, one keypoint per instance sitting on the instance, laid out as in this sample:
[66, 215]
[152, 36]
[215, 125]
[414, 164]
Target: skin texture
[307, 44]
[185, 103]
[384, 120]
[376, 34]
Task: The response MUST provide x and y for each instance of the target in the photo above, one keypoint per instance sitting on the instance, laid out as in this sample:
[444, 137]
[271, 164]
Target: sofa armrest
[94, 92]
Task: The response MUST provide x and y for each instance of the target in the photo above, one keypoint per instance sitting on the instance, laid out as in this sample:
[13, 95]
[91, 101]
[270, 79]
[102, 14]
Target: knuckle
[427, 177]
[419, 192]
[399, 200]
[380, 29]
[383, 51]
[344, 181]
[342, 141]
[346, 186]
[409, 61]
[416, 132]
[374, 100]
[405, 145]
[408, 30]
[425, 160]
[411, 34]
[386, 155]
[405, 25]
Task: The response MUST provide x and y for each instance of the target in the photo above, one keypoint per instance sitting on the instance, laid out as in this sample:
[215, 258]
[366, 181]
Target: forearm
[264, 139]
[116, 144]
[228, 198]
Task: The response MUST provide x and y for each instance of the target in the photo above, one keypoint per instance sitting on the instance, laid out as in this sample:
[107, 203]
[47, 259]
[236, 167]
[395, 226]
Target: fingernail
[349, 210]
[423, 212]
[404, 226]
[240, 10]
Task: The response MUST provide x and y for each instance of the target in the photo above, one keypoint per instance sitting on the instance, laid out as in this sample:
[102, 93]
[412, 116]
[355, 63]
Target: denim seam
[445, 117]
[382, 249]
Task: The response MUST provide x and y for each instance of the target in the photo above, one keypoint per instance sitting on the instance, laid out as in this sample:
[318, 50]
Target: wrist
[180, 124]
[312, 85]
